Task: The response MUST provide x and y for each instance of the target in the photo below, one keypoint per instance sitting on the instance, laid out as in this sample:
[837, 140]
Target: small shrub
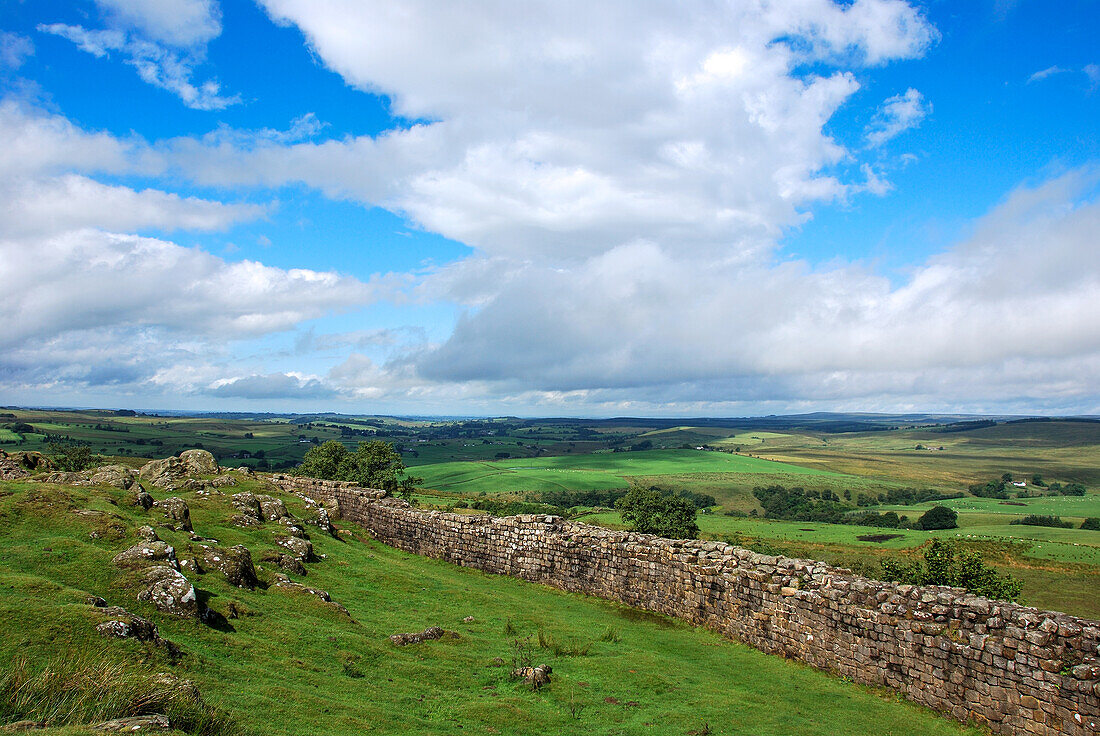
[945, 564]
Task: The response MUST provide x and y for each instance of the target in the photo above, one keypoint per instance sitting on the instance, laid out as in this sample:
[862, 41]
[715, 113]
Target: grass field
[292, 665]
[595, 472]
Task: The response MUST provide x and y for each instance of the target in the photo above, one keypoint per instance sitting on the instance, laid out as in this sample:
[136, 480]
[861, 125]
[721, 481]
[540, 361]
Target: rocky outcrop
[16, 465]
[177, 512]
[272, 509]
[429, 634]
[535, 677]
[146, 553]
[142, 498]
[285, 583]
[121, 624]
[199, 462]
[163, 473]
[235, 563]
[285, 561]
[223, 481]
[136, 724]
[118, 476]
[170, 591]
[300, 548]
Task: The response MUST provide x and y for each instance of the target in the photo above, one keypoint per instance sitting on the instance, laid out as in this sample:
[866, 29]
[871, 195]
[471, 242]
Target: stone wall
[1019, 669]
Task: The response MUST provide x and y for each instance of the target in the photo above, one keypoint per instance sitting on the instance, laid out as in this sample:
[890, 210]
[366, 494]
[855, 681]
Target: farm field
[311, 669]
[596, 472]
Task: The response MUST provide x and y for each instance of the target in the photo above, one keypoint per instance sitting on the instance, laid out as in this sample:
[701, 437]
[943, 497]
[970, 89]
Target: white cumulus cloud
[897, 115]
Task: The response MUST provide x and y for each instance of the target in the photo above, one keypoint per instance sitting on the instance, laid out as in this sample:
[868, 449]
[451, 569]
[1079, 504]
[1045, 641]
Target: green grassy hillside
[282, 662]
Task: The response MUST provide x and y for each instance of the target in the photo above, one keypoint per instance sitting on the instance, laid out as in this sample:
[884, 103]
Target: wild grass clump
[562, 649]
[91, 689]
[610, 635]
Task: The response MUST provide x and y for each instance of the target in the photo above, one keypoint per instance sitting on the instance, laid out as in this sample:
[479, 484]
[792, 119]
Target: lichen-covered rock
[154, 552]
[223, 481]
[282, 581]
[287, 562]
[176, 510]
[272, 509]
[199, 462]
[300, 548]
[429, 634]
[324, 523]
[135, 724]
[142, 498]
[147, 533]
[163, 473]
[170, 591]
[248, 506]
[535, 677]
[16, 465]
[65, 478]
[122, 624]
[118, 476]
[235, 563]
[292, 527]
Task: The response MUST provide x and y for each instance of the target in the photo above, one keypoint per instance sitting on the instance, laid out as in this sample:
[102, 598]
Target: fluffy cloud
[174, 22]
[1010, 307]
[897, 115]
[89, 278]
[561, 130]
[72, 202]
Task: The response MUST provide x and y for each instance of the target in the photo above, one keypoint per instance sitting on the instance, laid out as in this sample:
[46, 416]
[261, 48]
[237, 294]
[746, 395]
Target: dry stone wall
[1018, 669]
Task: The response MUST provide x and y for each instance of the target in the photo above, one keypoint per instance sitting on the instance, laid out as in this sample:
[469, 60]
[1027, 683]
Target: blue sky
[553, 208]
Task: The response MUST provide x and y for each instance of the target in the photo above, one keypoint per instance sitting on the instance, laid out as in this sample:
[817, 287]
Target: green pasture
[289, 664]
[594, 472]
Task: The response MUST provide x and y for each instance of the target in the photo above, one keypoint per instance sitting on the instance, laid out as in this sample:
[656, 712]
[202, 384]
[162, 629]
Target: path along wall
[1019, 669]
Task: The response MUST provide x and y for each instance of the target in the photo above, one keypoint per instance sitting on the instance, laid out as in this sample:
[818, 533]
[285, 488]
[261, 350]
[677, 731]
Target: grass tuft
[90, 688]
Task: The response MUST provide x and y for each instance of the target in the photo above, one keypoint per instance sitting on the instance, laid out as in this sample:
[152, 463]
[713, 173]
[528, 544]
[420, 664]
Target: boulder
[136, 724]
[122, 624]
[536, 677]
[170, 591]
[148, 534]
[65, 478]
[139, 555]
[235, 563]
[248, 506]
[300, 548]
[429, 634]
[246, 470]
[324, 523]
[223, 481]
[118, 476]
[282, 581]
[166, 473]
[272, 509]
[17, 465]
[142, 498]
[199, 462]
[292, 527]
[287, 562]
[175, 509]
